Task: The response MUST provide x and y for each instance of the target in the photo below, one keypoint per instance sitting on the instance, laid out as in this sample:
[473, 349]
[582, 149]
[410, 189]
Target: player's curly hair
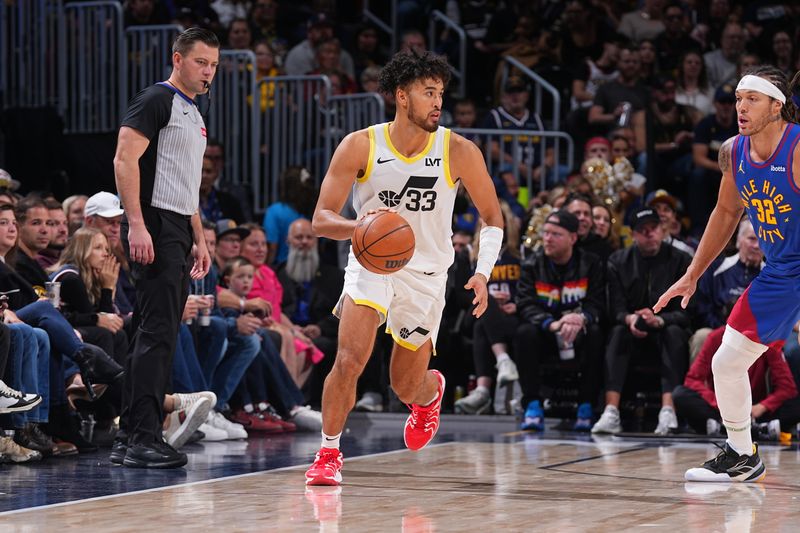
[409, 66]
[774, 75]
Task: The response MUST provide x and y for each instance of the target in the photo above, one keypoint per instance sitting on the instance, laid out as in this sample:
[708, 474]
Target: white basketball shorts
[410, 302]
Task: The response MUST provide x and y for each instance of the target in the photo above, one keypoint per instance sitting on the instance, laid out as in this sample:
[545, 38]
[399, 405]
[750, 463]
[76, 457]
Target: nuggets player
[412, 166]
[760, 173]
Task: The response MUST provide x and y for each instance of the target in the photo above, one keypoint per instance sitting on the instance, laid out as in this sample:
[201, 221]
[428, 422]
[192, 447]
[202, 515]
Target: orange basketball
[383, 242]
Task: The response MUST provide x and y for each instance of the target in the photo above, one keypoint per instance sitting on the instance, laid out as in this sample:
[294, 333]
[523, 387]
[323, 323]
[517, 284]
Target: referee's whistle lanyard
[196, 103]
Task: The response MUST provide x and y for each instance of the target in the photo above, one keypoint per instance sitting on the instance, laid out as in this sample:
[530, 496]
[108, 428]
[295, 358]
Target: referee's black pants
[161, 291]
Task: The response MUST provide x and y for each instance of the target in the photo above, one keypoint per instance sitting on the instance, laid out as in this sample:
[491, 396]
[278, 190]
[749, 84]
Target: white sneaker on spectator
[609, 421]
[12, 401]
[713, 428]
[370, 401]
[183, 423]
[234, 430]
[476, 402]
[184, 400]
[212, 434]
[306, 418]
[506, 372]
[667, 421]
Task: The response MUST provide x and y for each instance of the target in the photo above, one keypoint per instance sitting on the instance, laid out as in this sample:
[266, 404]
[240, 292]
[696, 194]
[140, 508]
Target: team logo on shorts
[404, 333]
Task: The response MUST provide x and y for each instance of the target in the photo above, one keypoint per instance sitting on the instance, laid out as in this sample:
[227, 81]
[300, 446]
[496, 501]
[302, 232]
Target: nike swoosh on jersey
[382, 161]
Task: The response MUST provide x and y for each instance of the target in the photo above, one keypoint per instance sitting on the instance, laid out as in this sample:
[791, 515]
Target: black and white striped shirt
[171, 166]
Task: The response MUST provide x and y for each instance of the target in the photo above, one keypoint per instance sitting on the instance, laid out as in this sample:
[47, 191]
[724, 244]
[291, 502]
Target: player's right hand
[141, 245]
[684, 288]
[378, 210]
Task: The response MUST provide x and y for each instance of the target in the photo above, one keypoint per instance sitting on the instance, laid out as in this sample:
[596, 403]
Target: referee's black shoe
[729, 466]
[156, 455]
[118, 451]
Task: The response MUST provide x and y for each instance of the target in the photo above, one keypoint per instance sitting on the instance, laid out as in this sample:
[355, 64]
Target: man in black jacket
[560, 298]
[637, 276]
[310, 291]
[34, 236]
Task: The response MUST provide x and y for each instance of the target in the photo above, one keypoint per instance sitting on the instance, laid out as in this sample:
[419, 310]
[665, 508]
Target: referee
[158, 167]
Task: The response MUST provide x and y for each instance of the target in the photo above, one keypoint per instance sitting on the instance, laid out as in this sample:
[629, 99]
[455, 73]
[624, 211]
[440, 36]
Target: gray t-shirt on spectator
[300, 60]
[636, 27]
[719, 69]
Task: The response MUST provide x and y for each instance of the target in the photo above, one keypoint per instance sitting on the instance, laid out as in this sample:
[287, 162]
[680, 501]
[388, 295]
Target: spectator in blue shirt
[297, 197]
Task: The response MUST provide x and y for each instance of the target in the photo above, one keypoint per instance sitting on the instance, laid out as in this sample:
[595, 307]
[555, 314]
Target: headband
[761, 85]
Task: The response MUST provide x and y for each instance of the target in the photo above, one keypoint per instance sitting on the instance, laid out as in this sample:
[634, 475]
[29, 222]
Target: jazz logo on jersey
[765, 203]
[418, 191]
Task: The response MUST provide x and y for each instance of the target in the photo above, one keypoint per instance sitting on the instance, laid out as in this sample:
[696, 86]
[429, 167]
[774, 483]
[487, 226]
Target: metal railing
[149, 50]
[32, 70]
[459, 70]
[97, 74]
[389, 28]
[232, 118]
[352, 112]
[531, 154]
[295, 129]
[539, 84]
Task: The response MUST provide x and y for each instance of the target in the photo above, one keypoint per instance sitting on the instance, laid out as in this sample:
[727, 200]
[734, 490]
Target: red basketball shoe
[327, 468]
[423, 422]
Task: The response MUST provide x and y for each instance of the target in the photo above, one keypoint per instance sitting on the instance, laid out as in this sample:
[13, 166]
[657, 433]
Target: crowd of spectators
[648, 94]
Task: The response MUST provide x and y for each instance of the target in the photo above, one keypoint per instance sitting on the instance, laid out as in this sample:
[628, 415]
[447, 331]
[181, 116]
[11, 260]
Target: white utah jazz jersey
[420, 188]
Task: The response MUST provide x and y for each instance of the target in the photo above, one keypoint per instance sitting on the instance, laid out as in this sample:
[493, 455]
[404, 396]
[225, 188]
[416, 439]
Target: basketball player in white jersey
[411, 166]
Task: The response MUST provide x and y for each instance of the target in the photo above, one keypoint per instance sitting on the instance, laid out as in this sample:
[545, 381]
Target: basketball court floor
[480, 474]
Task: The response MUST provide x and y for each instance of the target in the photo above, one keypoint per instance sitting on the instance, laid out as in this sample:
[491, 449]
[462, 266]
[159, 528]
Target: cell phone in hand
[642, 325]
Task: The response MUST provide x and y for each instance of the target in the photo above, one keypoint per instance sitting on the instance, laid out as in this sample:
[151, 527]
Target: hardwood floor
[514, 482]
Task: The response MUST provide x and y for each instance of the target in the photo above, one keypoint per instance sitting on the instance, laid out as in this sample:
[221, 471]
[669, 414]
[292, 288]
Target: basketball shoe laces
[724, 460]
[427, 415]
[328, 458]
[5, 390]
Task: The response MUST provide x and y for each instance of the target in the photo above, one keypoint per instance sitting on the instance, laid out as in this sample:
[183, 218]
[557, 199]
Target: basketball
[383, 242]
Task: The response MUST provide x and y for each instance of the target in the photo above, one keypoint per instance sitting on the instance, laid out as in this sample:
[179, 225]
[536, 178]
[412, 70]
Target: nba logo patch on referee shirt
[203, 131]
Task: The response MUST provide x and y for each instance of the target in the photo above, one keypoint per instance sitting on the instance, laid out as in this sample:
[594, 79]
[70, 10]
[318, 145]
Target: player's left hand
[478, 284]
[202, 261]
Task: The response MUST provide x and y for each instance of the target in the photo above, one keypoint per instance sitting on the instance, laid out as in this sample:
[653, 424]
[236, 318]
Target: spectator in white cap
[102, 211]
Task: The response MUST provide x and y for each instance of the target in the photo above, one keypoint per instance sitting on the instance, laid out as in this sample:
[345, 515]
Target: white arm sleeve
[491, 240]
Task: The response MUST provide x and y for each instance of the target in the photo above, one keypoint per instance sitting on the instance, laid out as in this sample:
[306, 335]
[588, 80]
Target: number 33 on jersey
[420, 188]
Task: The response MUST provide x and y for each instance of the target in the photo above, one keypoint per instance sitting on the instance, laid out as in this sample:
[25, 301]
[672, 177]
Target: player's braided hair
[774, 75]
[408, 66]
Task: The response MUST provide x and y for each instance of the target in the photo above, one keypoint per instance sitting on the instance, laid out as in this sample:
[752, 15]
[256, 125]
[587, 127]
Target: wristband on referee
[490, 240]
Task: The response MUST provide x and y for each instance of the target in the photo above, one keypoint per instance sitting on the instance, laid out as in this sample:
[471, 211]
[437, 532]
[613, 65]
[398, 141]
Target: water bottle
[458, 393]
[566, 350]
[625, 117]
[87, 427]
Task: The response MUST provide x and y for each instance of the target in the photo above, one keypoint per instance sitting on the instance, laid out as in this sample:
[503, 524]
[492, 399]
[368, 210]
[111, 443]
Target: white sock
[262, 406]
[331, 442]
[248, 408]
[502, 357]
[732, 386]
[482, 390]
[612, 409]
